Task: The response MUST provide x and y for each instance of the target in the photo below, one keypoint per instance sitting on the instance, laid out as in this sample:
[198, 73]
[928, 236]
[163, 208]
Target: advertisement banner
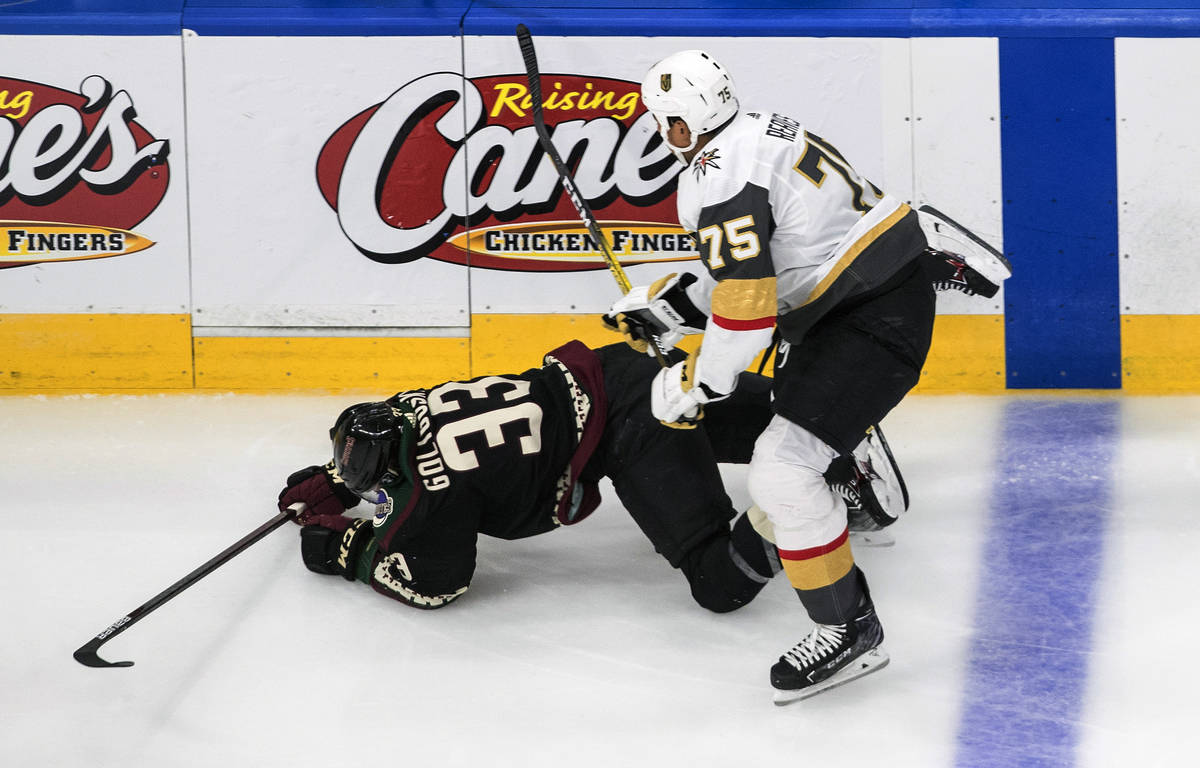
[342, 185]
[514, 215]
[92, 200]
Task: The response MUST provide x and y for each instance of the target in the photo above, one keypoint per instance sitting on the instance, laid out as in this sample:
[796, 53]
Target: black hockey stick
[887, 449]
[533, 74]
[87, 654]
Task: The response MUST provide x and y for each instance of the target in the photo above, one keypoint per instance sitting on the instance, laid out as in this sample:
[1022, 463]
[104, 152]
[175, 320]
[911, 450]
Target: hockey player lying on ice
[520, 455]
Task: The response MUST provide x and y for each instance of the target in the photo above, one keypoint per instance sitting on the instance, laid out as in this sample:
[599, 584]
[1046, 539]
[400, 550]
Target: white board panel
[95, 174]
[956, 143]
[269, 249]
[897, 119]
[1157, 166]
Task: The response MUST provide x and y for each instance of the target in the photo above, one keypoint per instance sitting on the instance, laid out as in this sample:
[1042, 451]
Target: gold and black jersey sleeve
[734, 238]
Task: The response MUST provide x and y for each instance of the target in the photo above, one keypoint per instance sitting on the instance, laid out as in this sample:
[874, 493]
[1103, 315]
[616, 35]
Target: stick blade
[88, 657]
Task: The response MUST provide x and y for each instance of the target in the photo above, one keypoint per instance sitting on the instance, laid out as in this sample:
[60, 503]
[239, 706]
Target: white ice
[579, 648]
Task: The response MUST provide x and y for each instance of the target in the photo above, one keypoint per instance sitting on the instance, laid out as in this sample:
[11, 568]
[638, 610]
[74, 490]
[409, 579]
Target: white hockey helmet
[692, 86]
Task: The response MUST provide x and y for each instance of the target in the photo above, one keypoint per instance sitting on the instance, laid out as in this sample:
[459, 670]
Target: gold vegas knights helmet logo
[665, 81]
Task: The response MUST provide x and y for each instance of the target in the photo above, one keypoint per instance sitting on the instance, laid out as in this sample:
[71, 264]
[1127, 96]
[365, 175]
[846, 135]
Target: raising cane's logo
[76, 173]
[451, 169]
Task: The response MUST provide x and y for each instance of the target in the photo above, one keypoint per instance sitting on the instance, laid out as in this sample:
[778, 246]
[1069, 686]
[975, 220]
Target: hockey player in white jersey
[794, 242]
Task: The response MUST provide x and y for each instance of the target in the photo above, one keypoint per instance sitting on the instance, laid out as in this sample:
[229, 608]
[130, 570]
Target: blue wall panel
[832, 18]
[743, 18]
[296, 18]
[91, 17]
[1059, 174]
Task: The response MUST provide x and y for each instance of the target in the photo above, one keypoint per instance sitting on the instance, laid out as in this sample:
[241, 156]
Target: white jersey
[784, 226]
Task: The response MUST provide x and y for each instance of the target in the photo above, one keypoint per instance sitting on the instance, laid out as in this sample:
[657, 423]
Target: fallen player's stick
[87, 654]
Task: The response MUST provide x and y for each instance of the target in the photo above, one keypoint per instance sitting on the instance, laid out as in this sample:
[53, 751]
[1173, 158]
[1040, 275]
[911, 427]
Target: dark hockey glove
[333, 545]
[662, 309]
[321, 491]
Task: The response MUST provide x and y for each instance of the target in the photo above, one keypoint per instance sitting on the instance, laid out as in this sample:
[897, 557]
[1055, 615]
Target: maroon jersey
[497, 455]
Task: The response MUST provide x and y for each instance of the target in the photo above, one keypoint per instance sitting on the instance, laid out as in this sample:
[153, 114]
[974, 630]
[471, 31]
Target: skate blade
[872, 539]
[987, 261]
[871, 661]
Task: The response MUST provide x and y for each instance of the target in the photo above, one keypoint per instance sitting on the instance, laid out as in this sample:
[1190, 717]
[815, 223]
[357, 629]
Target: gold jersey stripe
[820, 571]
[745, 299]
[859, 246]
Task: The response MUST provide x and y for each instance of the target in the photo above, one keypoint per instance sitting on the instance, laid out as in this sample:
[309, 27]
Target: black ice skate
[831, 655]
[864, 531]
[949, 272]
[959, 260]
[870, 483]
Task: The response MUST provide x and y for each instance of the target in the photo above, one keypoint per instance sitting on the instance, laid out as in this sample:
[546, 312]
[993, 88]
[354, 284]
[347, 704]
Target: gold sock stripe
[820, 566]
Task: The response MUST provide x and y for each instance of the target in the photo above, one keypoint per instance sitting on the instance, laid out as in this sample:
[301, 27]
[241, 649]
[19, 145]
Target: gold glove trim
[658, 284]
[685, 383]
[640, 345]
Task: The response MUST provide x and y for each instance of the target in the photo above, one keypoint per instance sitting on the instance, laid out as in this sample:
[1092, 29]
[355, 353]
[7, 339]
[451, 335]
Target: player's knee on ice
[728, 570]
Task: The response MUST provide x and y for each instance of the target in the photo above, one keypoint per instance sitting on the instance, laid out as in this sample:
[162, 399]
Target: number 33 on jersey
[494, 454]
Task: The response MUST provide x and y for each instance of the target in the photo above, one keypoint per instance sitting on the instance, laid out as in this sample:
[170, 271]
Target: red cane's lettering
[496, 159]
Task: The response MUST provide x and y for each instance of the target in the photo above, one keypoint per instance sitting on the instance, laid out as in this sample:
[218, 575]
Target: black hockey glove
[330, 550]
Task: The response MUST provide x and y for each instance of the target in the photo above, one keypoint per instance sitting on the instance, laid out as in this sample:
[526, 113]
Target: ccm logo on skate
[77, 172]
[394, 174]
[831, 663]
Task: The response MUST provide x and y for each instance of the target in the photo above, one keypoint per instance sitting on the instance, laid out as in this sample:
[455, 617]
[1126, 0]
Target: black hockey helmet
[367, 442]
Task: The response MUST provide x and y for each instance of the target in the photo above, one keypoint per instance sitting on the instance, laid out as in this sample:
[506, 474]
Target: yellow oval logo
[555, 245]
[36, 242]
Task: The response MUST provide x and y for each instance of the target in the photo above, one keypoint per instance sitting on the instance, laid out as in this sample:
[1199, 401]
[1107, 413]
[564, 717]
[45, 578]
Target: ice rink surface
[1039, 606]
